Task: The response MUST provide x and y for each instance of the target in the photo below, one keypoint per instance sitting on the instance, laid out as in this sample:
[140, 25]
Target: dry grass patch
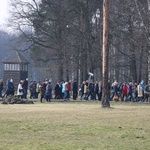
[72, 126]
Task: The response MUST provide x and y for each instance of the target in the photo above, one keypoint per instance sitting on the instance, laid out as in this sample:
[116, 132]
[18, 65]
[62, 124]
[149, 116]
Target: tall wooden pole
[105, 54]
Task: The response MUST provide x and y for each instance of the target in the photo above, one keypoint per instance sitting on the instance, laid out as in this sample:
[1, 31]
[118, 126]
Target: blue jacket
[48, 90]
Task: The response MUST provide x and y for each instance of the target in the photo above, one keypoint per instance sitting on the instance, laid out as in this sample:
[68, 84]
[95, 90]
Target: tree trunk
[60, 71]
[132, 60]
[105, 53]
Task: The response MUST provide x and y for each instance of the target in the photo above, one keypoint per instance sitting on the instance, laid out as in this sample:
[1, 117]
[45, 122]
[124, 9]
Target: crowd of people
[34, 89]
[88, 90]
[117, 91]
[22, 89]
[61, 90]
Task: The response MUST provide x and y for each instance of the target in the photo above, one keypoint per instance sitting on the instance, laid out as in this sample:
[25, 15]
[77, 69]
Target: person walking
[57, 91]
[100, 91]
[82, 90]
[48, 92]
[69, 89]
[32, 88]
[135, 93]
[66, 91]
[20, 90]
[124, 92]
[95, 90]
[1, 87]
[75, 89]
[146, 93]
[140, 92]
[25, 88]
[130, 92]
[42, 92]
[10, 89]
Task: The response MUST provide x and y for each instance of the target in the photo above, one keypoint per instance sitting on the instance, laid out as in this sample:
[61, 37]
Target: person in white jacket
[20, 90]
[140, 92]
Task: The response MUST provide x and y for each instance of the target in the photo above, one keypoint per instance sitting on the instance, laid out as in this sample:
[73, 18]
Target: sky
[3, 11]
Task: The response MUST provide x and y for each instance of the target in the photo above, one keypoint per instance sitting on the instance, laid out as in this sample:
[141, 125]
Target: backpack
[116, 98]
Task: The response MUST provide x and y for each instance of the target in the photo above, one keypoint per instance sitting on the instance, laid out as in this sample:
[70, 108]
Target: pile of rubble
[15, 100]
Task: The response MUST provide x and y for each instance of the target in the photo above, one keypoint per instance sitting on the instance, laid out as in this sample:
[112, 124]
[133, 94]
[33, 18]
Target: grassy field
[75, 126]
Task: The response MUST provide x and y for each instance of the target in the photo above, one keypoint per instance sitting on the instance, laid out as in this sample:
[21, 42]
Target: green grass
[75, 126]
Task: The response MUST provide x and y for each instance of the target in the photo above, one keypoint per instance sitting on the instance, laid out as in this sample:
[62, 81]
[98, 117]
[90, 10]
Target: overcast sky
[3, 11]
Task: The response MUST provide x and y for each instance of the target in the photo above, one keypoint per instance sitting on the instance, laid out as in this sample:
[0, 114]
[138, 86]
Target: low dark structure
[15, 100]
[15, 67]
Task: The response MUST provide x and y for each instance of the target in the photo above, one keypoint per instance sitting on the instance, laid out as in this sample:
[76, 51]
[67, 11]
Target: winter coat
[124, 90]
[82, 88]
[25, 85]
[1, 86]
[130, 89]
[32, 88]
[116, 89]
[10, 87]
[96, 88]
[75, 87]
[66, 86]
[140, 91]
[63, 87]
[85, 88]
[147, 89]
[57, 89]
[42, 91]
[48, 91]
[100, 88]
[69, 86]
[19, 89]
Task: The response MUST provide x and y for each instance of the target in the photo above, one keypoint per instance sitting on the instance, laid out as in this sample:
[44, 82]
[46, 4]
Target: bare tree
[69, 33]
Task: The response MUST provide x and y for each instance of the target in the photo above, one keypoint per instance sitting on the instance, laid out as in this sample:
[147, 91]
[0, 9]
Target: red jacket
[69, 86]
[124, 89]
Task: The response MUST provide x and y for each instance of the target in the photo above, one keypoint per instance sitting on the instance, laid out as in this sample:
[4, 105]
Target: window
[12, 67]
[21, 67]
[26, 67]
[6, 67]
[16, 67]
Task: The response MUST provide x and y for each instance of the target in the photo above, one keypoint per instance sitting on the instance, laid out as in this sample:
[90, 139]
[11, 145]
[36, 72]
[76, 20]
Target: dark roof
[15, 57]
